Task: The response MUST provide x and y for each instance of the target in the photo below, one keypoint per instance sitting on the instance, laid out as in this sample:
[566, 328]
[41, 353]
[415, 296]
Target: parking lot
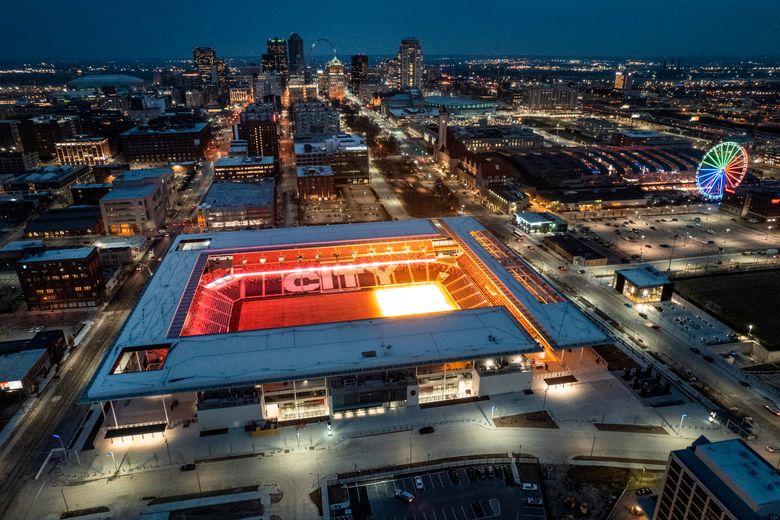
[652, 237]
[466, 493]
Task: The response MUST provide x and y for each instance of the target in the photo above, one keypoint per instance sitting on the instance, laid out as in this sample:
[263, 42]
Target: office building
[135, 210]
[163, 142]
[348, 154]
[624, 80]
[10, 138]
[61, 279]
[387, 314]
[268, 88]
[75, 220]
[162, 177]
[334, 80]
[552, 98]
[295, 48]
[316, 183]
[18, 161]
[244, 169]
[56, 180]
[42, 133]
[315, 119]
[205, 62]
[300, 90]
[759, 202]
[358, 72]
[258, 127]
[275, 57]
[238, 205]
[643, 284]
[84, 150]
[410, 59]
[494, 138]
[723, 480]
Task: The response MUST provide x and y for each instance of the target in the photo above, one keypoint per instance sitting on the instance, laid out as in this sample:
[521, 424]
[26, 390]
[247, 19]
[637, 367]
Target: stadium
[294, 324]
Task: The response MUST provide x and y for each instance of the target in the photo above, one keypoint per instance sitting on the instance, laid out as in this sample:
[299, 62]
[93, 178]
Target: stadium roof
[267, 355]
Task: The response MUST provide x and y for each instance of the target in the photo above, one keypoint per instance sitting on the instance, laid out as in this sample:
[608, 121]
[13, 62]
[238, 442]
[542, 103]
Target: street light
[750, 329]
[641, 249]
[111, 453]
[682, 418]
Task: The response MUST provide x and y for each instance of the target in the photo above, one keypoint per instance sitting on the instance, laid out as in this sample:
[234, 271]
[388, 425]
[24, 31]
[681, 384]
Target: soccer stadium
[279, 325]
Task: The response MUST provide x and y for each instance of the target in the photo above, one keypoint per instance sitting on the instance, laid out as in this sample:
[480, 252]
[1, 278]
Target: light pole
[682, 418]
[641, 249]
[671, 255]
[750, 330]
[768, 229]
[111, 453]
[64, 451]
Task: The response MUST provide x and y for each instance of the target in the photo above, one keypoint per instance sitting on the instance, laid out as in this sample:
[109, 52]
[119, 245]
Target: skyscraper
[335, 75]
[257, 126]
[624, 80]
[205, 59]
[275, 59]
[359, 71]
[410, 57]
[295, 47]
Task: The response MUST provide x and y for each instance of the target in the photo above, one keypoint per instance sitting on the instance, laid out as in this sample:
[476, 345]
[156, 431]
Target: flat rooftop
[54, 255]
[314, 171]
[279, 354]
[129, 192]
[644, 276]
[740, 479]
[13, 367]
[531, 218]
[145, 173]
[228, 162]
[240, 194]
[195, 128]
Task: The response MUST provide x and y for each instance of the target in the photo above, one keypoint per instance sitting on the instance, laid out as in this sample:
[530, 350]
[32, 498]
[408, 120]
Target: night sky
[91, 29]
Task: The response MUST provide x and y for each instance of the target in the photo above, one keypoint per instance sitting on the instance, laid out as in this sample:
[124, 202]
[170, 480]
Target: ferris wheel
[722, 169]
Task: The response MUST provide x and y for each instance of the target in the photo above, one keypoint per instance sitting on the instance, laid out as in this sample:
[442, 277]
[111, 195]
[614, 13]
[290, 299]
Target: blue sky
[81, 29]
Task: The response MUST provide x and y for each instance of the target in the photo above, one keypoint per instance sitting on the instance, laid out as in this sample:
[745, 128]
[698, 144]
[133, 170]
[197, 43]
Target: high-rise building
[552, 98]
[720, 481]
[10, 139]
[358, 72]
[295, 47]
[258, 127]
[410, 58]
[335, 80]
[205, 58]
[624, 80]
[315, 118]
[206, 62]
[275, 58]
[84, 150]
[40, 134]
[61, 278]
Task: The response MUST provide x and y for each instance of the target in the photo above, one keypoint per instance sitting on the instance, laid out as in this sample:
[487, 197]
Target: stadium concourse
[250, 328]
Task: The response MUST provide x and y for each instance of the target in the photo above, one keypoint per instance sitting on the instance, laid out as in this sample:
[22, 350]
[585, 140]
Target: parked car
[454, 477]
[527, 486]
[418, 483]
[643, 315]
[533, 501]
[773, 449]
[426, 429]
[491, 473]
[482, 474]
[404, 495]
[188, 467]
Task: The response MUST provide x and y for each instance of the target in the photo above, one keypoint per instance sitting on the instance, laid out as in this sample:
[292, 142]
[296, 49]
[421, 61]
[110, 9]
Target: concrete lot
[355, 204]
[445, 497]
[698, 234]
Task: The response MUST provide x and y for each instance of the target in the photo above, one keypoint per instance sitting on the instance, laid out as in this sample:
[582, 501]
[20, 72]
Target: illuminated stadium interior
[281, 288]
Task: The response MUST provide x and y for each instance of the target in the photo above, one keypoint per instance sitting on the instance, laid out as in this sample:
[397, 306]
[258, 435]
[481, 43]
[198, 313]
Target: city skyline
[611, 29]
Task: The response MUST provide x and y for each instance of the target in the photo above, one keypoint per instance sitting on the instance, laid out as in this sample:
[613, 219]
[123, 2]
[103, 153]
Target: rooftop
[532, 217]
[173, 129]
[240, 194]
[644, 276]
[134, 192]
[55, 255]
[243, 161]
[145, 173]
[13, 367]
[280, 354]
[738, 477]
[314, 171]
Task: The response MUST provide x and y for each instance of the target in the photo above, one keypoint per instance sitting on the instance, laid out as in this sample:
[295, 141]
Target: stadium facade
[251, 327]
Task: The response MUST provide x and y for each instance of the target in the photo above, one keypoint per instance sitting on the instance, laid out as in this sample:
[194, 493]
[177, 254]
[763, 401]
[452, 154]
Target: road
[57, 410]
[724, 385]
